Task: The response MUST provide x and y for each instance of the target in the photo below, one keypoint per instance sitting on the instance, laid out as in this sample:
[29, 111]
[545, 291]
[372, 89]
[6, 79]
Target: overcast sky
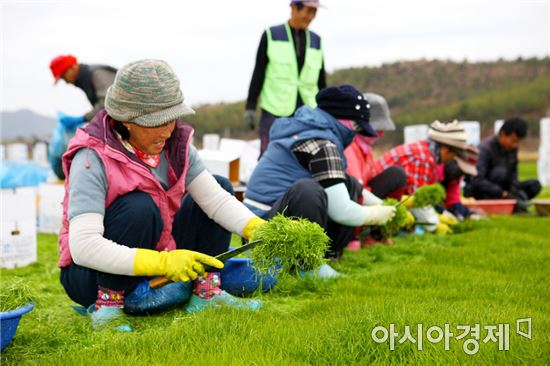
[212, 44]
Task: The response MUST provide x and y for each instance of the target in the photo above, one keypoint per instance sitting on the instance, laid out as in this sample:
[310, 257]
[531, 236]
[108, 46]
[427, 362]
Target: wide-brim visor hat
[147, 93]
[347, 103]
[453, 135]
[308, 3]
[380, 118]
[467, 160]
[450, 134]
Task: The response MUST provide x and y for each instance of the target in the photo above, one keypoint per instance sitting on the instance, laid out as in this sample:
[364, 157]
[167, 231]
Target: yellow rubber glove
[251, 226]
[177, 265]
[443, 228]
[448, 219]
[408, 201]
[409, 220]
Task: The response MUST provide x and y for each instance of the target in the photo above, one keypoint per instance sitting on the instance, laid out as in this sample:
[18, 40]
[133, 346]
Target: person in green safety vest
[289, 69]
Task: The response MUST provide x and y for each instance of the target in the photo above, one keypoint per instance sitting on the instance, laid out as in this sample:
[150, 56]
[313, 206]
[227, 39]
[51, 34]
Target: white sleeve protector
[90, 249]
[343, 210]
[218, 204]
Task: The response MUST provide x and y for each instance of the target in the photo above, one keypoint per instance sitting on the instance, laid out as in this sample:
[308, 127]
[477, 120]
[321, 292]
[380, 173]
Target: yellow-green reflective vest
[282, 82]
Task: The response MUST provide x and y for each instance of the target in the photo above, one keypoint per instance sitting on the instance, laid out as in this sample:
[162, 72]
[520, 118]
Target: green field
[495, 272]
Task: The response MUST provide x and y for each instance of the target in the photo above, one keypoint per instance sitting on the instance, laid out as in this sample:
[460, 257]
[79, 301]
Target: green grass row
[496, 272]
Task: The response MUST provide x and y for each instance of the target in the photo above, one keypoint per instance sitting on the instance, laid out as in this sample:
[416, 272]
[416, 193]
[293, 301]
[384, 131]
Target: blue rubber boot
[109, 317]
[146, 300]
[324, 272]
[198, 303]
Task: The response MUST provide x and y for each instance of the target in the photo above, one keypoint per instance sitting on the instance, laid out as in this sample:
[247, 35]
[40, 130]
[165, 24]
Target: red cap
[60, 64]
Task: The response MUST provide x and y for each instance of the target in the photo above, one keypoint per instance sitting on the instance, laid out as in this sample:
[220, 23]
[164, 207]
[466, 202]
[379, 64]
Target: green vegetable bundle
[290, 244]
[429, 195]
[393, 226]
[13, 295]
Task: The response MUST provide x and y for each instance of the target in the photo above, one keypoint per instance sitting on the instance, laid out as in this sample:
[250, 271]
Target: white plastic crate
[18, 240]
[224, 164]
[545, 134]
[543, 169]
[248, 152]
[211, 141]
[50, 208]
[473, 132]
[18, 152]
[415, 133]
[40, 153]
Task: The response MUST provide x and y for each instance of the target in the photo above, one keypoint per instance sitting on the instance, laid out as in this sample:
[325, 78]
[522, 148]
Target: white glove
[379, 215]
[370, 198]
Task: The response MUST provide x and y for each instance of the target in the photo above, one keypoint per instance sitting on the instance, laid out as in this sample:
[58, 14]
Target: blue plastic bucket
[240, 279]
[9, 321]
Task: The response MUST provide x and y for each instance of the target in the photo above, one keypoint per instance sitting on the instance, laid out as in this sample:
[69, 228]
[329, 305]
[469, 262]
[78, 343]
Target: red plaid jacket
[417, 160]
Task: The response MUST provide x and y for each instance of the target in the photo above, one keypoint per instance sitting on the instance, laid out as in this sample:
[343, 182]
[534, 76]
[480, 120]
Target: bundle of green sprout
[429, 195]
[393, 226]
[14, 294]
[293, 245]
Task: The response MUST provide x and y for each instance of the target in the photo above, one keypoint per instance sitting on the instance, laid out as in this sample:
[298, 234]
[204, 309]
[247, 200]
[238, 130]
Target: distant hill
[422, 91]
[25, 125]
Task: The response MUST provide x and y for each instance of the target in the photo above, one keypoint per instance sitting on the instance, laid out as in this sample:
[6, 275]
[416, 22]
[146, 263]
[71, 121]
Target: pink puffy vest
[126, 173]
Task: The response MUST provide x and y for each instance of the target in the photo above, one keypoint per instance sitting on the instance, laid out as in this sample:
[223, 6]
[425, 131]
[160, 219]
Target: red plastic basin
[492, 207]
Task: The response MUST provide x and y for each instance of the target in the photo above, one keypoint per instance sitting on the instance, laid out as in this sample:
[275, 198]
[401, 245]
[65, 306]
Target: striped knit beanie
[147, 93]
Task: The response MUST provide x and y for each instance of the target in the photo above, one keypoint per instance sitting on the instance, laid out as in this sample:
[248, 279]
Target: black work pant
[307, 199]
[523, 190]
[134, 220]
[391, 182]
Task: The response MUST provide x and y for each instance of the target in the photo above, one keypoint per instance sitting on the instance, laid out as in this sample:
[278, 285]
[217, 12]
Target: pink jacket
[126, 173]
[361, 163]
[453, 188]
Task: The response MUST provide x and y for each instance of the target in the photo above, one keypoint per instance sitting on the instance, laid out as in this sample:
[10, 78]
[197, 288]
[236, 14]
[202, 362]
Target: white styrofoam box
[545, 133]
[231, 146]
[249, 159]
[248, 152]
[18, 152]
[220, 163]
[473, 132]
[2, 152]
[543, 171]
[415, 133]
[498, 125]
[211, 141]
[40, 153]
[18, 234]
[50, 208]
[545, 125]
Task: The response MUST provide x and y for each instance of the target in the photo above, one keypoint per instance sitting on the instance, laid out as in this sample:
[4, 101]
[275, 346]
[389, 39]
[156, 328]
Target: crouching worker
[431, 161]
[140, 203]
[303, 171]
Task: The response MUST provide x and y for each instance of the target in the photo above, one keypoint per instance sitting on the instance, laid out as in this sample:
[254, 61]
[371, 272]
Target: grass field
[495, 272]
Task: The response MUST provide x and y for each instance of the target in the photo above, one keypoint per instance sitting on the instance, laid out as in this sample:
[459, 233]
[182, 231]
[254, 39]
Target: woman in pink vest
[140, 203]
[381, 183]
[377, 183]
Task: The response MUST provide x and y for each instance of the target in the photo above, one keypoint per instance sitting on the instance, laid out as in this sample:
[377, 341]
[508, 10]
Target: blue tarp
[15, 174]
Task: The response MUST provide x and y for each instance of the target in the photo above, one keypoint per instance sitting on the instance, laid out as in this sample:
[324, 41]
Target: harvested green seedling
[289, 245]
[429, 195]
[393, 226]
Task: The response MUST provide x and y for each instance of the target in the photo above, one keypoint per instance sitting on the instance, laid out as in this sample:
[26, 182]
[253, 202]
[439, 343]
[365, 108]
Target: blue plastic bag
[58, 145]
[22, 174]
